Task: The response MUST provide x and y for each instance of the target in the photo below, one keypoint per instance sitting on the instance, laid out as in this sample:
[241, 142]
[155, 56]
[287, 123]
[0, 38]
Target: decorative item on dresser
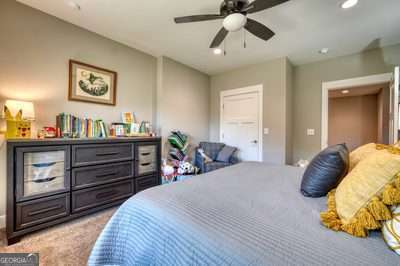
[53, 181]
[18, 115]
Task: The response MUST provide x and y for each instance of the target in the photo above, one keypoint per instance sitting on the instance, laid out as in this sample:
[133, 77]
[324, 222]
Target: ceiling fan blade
[259, 30]
[221, 35]
[197, 18]
[259, 5]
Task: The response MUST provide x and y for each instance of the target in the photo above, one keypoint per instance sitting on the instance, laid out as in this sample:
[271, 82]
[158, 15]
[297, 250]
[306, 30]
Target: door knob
[255, 141]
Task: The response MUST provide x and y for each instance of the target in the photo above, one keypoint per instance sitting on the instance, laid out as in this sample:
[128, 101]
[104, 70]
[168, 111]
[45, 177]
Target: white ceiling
[302, 28]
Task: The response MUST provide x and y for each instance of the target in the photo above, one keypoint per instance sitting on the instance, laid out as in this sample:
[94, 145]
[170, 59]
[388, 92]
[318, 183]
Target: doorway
[359, 115]
[241, 121]
[357, 111]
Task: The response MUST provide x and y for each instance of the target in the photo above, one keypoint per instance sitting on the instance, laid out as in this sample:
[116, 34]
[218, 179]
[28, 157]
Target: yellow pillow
[359, 202]
[361, 153]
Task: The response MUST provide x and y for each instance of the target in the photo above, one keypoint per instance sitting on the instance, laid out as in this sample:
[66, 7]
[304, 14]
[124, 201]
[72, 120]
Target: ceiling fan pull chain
[244, 39]
[225, 47]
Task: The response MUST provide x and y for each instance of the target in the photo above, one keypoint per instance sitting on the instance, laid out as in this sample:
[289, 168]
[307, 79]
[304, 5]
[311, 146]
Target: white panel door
[240, 124]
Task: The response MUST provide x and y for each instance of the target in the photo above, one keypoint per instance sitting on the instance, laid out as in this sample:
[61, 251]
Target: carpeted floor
[66, 244]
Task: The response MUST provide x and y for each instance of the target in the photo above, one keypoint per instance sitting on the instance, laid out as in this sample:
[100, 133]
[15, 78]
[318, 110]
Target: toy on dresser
[16, 126]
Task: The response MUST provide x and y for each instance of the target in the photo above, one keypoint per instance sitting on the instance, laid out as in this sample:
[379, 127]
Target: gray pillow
[225, 154]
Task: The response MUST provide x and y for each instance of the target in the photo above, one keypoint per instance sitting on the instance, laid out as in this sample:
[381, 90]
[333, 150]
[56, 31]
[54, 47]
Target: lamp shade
[28, 111]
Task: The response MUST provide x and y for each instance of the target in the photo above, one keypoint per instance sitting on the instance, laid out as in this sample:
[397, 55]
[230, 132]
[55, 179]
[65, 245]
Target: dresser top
[64, 141]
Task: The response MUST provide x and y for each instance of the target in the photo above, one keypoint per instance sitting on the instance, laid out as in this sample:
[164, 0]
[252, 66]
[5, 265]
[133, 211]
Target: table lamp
[18, 115]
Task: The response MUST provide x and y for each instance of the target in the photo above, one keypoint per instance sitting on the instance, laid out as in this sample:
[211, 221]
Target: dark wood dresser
[53, 181]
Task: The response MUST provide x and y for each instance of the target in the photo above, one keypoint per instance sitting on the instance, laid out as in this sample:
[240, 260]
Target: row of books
[74, 127]
[179, 146]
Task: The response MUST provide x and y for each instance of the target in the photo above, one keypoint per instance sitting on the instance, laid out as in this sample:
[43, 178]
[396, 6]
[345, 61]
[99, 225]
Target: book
[74, 127]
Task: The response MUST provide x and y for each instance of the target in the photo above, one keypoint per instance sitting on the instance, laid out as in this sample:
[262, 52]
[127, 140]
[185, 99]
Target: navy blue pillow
[325, 171]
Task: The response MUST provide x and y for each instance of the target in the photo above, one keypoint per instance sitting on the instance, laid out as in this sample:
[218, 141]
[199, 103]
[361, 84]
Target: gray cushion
[225, 154]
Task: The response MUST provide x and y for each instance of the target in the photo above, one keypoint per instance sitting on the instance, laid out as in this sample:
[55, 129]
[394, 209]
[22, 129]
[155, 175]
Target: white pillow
[391, 230]
[205, 156]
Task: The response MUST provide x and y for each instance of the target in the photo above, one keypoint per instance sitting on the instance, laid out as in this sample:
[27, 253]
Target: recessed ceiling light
[217, 51]
[74, 5]
[349, 4]
[345, 91]
[324, 51]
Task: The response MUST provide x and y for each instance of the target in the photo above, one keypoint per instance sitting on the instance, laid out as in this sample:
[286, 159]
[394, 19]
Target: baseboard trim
[2, 222]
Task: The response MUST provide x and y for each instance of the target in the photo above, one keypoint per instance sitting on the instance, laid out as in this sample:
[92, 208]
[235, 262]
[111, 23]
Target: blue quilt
[248, 214]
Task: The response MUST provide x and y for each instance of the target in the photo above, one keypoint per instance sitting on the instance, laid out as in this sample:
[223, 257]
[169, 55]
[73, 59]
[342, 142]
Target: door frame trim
[250, 89]
[341, 84]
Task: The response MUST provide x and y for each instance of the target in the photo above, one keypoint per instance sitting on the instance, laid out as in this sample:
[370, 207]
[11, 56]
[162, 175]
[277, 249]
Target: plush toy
[205, 156]
[168, 170]
[168, 173]
[16, 126]
[186, 168]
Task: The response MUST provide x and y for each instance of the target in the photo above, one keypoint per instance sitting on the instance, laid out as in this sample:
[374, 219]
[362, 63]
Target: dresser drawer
[41, 171]
[145, 182]
[84, 155]
[146, 168]
[42, 210]
[93, 197]
[147, 153]
[88, 176]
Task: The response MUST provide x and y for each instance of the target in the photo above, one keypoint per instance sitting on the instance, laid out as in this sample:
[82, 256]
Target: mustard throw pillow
[361, 153]
[361, 200]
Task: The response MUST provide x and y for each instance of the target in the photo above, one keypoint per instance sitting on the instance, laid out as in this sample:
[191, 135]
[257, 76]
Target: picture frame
[128, 118]
[92, 84]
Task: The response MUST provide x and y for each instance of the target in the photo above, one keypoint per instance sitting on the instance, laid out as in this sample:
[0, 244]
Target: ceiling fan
[234, 13]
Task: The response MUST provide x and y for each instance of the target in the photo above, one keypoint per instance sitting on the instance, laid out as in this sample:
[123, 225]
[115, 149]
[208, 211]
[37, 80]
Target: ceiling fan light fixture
[234, 22]
[349, 4]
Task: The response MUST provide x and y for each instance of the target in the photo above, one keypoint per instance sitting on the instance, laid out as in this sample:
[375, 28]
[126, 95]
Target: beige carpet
[66, 244]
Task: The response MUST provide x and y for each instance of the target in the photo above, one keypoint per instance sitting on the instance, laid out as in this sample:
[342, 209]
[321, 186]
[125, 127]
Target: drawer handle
[107, 154]
[44, 180]
[106, 194]
[106, 175]
[146, 154]
[147, 183]
[41, 165]
[145, 164]
[56, 207]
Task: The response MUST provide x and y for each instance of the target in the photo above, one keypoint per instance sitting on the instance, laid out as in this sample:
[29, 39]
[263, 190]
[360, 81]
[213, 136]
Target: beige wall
[183, 101]
[34, 54]
[308, 81]
[384, 115]
[273, 76]
[289, 112]
[353, 120]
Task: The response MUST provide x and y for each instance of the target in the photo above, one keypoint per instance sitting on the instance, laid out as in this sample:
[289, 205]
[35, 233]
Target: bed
[247, 214]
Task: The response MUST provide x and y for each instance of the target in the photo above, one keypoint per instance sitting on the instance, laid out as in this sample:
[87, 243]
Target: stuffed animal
[186, 168]
[205, 156]
[168, 170]
[16, 126]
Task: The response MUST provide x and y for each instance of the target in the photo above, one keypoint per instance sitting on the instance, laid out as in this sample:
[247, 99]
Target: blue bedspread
[248, 214]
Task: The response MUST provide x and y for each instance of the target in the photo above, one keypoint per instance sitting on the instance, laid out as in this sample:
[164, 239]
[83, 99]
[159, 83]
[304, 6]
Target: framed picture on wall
[92, 84]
